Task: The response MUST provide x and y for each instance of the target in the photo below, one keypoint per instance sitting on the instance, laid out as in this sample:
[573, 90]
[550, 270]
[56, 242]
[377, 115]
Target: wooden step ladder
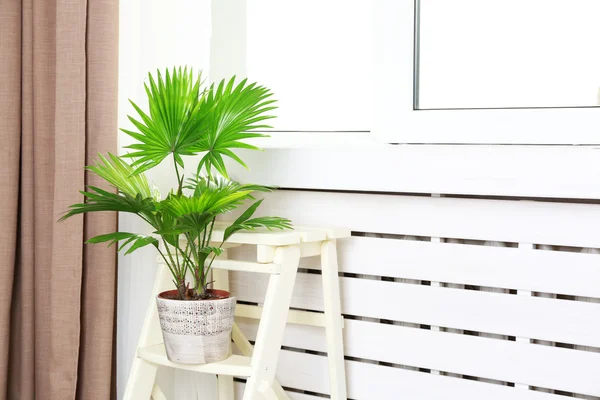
[278, 254]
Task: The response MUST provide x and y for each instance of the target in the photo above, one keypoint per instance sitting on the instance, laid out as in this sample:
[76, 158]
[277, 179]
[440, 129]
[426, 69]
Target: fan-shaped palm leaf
[236, 112]
[136, 241]
[202, 184]
[184, 120]
[176, 120]
[211, 196]
[212, 203]
[119, 174]
[100, 200]
[245, 223]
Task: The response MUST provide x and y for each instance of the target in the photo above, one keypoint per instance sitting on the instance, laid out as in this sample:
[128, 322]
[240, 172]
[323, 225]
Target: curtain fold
[58, 109]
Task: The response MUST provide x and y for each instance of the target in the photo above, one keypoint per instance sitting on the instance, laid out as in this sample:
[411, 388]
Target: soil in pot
[214, 294]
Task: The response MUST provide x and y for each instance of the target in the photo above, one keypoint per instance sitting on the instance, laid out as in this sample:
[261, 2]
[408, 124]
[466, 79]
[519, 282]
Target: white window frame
[396, 121]
[365, 161]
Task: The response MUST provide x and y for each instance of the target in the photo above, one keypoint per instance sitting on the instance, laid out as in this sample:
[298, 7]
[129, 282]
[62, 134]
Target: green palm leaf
[200, 185]
[216, 195]
[209, 203]
[119, 174]
[100, 200]
[185, 120]
[236, 113]
[211, 196]
[245, 223]
[176, 120]
[136, 241]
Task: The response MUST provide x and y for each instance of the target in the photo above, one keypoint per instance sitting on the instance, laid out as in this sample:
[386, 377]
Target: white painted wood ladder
[278, 254]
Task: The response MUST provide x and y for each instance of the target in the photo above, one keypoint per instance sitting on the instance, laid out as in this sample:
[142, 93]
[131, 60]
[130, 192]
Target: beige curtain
[58, 105]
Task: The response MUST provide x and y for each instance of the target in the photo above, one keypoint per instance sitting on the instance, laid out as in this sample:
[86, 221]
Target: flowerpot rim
[224, 295]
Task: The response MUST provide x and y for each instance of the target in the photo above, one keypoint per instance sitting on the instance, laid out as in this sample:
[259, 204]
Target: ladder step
[273, 238]
[234, 365]
[294, 316]
[233, 265]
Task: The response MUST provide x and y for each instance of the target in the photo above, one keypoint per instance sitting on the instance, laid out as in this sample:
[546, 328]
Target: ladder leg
[225, 384]
[221, 278]
[268, 392]
[157, 394]
[333, 320]
[143, 374]
[279, 392]
[245, 348]
[272, 323]
[140, 384]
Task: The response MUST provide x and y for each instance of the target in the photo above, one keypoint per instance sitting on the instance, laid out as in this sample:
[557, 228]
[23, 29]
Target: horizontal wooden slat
[499, 220]
[270, 238]
[523, 316]
[294, 316]
[368, 381]
[560, 272]
[558, 171]
[304, 234]
[232, 265]
[525, 363]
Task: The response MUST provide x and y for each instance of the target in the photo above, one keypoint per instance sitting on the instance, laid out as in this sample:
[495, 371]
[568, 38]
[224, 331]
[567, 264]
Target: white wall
[153, 34]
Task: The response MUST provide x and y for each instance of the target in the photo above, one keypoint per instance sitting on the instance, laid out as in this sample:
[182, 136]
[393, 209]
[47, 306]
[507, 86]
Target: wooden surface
[234, 365]
[489, 220]
[502, 267]
[533, 317]
[477, 288]
[535, 365]
[368, 381]
[523, 171]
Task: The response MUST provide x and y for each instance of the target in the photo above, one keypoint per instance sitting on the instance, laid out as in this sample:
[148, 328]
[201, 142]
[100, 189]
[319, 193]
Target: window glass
[508, 53]
[316, 57]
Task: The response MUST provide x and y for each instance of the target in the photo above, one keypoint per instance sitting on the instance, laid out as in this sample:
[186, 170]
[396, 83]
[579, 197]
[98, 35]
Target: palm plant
[185, 119]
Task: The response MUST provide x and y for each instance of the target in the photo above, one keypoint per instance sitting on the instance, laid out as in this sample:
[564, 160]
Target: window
[315, 56]
[508, 53]
[452, 71]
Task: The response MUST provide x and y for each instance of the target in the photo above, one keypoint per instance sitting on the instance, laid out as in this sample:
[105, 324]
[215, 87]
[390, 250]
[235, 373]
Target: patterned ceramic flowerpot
[196, 331]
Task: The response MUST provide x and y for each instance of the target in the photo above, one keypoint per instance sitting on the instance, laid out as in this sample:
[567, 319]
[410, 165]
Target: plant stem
[167, 263]
[179, 181]
[177, 259]
[204, 238]
[200, 266]
[213, 259]
[186, 257]
[178, 276]
[211, 231]
[190, 242]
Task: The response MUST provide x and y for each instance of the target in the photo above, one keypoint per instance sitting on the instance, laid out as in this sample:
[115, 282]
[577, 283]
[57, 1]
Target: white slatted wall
[444, 297]
[447, 298]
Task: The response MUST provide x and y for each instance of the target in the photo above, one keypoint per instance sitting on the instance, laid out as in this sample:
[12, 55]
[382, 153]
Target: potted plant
[185, 119]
